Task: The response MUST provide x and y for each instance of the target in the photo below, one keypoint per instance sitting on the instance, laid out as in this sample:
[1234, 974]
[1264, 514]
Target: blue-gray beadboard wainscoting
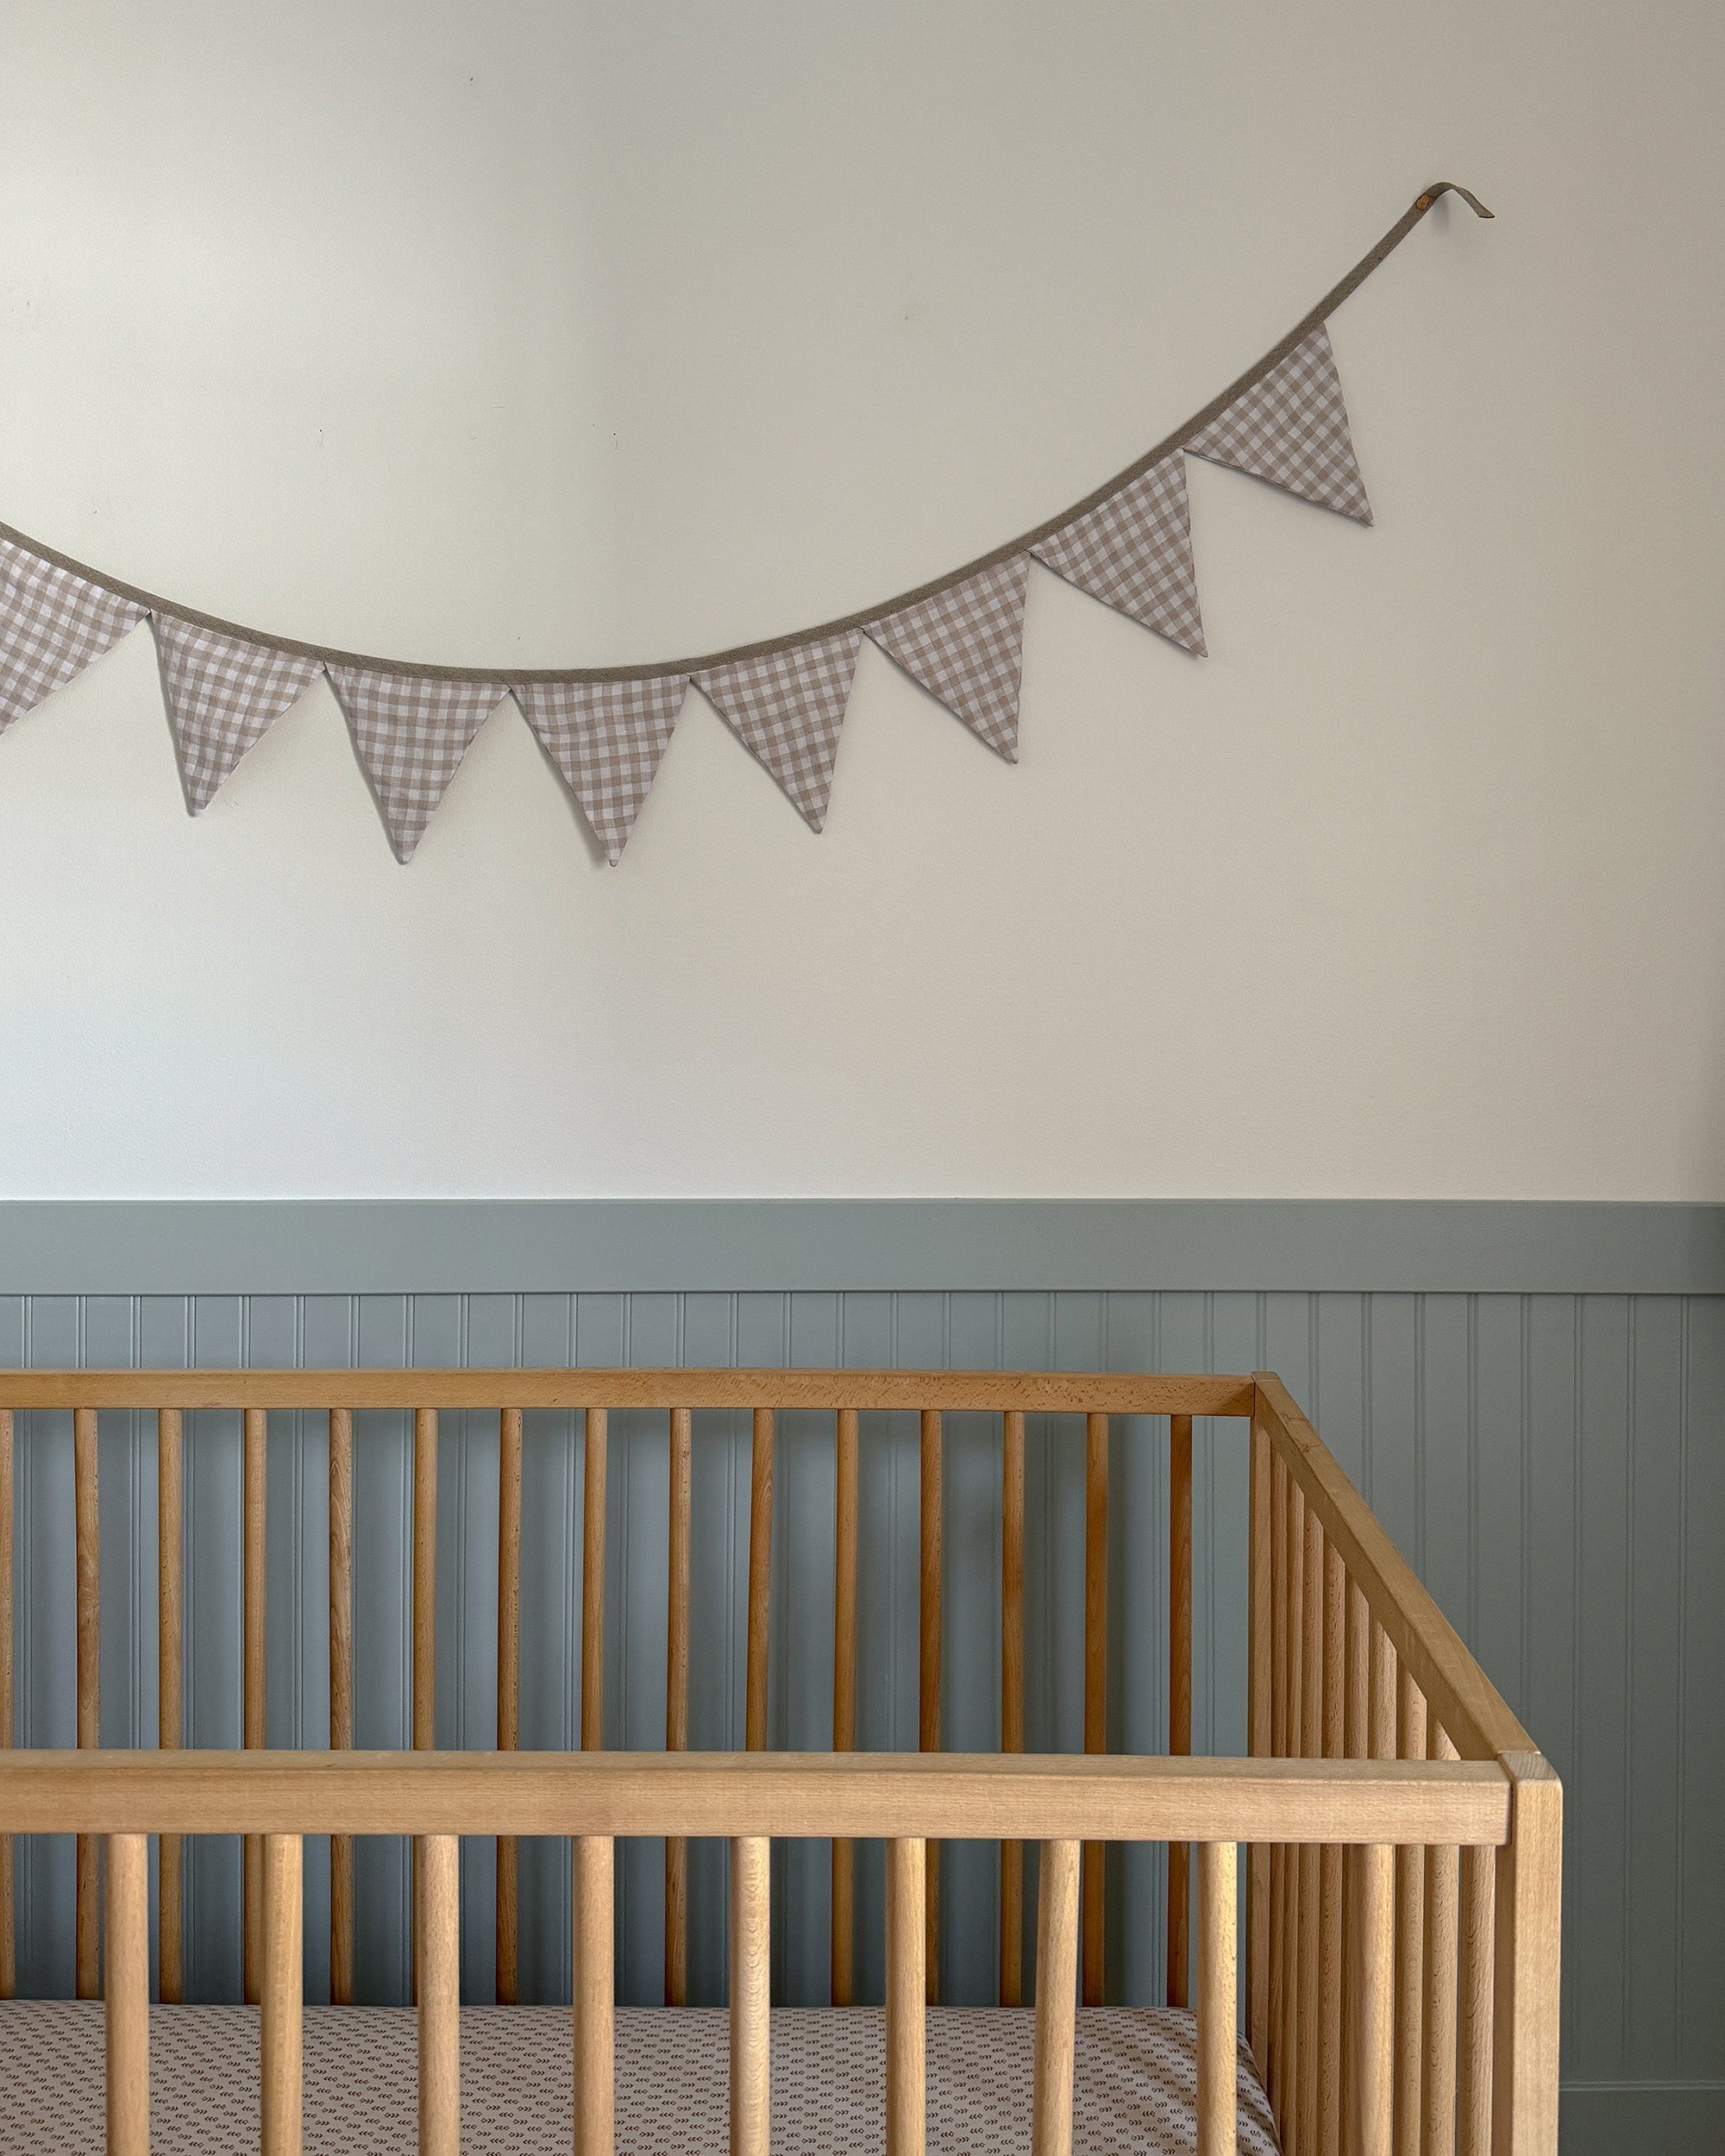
[1531, 1396]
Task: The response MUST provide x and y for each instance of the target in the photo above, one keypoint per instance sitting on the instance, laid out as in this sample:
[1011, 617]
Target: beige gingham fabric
[411, 732]
[606, 738]
[1134, 2081]
[222, 697]
[51, 625]
[1292, 429]
[965, 645]
[788, 707]
[1134, 553]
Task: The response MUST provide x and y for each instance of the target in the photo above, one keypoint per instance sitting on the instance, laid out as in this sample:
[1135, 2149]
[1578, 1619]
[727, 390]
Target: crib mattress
[1135, 2082]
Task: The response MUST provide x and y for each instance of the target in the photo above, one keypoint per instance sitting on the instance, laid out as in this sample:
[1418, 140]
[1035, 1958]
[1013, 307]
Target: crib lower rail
[1060, 1802]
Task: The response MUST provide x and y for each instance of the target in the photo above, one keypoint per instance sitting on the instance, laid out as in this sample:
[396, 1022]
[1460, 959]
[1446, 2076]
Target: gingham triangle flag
[223, 695]
[411, 731]
[788, 706]
[1134, 553]
[1292, 429]
[52, 625]
[965, 645]
[606, 738]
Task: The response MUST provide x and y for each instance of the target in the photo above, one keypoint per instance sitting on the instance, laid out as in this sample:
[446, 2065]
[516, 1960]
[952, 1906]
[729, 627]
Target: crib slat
[254, 1476]
[1179, 1691]
[1056, 1972]
[1288, 2120]
[1275, 2063]
[89, 1593]
[1379, 1981]
[1012, 1690]
[9, 1950]
[677, 1697]
[282, 1994]
[1311, 1912]
[170, 1690]
[1218, 1917]
[128, 2020]
[844, 1692]
[439, 1995]
[1259, 1690]
[1096, 1686]
[255, 1472]
[907, 2009]
[508, 1683]
[592, 1581]
[760, 1577]
[595, 1993]
[928, 1665]
[1374, 2131]
[1381, 1734]
[1437, 2048]
[425, 1579]
[1478, 1885]
[750, 1996]
[1330, 1864]
[341, 1692]
[424, 1603]
[1356, 1724]
[1410, 1937]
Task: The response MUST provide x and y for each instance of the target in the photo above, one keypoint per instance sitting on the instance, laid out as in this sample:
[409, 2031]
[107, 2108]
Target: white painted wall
[529, 334]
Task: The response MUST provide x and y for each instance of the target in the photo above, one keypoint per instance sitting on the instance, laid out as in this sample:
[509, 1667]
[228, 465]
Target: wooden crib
[1402, 1837]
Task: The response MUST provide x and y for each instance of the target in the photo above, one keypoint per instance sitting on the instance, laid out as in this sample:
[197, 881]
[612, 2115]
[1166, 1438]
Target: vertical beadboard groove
[1579, 1305]
[459, 1583]
[1209, 1423]
[135, 1537]
[190, 1632]
[1365, 1397]
[1683, 1428]
[23, 1695]
[1630, 1312]
[1419, 1555]
[1525, 1599]
[1472, 1624]
[298, 1573]
[618, 1595]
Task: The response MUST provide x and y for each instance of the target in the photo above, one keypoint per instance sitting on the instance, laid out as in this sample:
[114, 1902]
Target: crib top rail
[946, 1796]
[1031, 1392]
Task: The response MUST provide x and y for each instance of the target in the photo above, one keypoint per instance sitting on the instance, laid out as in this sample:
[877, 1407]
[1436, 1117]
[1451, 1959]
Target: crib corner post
[1529, 1936]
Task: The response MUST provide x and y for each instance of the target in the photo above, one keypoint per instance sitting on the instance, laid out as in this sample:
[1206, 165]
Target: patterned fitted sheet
[1135, 2082]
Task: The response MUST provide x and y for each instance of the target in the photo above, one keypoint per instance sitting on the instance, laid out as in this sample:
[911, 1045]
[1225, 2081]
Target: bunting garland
[788, 706]
[412, 733]
[606, 738]
[52, 623]
[222, 696]
[606, 729]
[965, 645]
[1292, 429]
[1134, 553]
